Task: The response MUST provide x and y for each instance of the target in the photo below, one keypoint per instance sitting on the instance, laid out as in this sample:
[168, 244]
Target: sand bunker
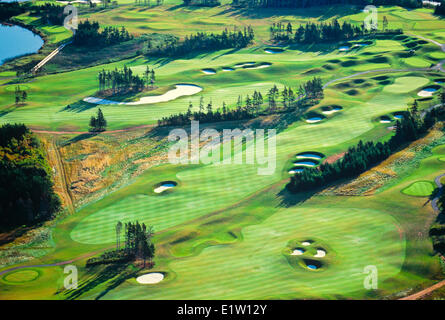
[227, 69]
[179, 91]
[313, 264]
[334, 109]
[165, 186]
[427, 92]
[261, 66]
[297, 252]
[309, 155]
[296, 170]
[385, 119]
[343, 48]
[320, 253]
[398, 116]
[273, 50]
[208, 71]
[306, 163]
[306, 243]
[150, 278]
[240, 65]
[314, 120]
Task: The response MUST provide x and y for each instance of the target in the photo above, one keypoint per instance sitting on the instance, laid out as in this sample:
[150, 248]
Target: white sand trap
[150, 278]
[259, 67]
[427, 92]
[297, 252]
[320, 253]
[208, 71]
[306, 243]
[164, 187]
[313, 120]
[179, 91]
[344, 48]
[330, 111]
[385, 121]
[240, 65]
[161, 189]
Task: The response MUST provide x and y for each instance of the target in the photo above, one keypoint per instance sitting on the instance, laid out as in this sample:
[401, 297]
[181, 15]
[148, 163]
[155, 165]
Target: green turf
[222, 231]
[419, 189]
[21, 276]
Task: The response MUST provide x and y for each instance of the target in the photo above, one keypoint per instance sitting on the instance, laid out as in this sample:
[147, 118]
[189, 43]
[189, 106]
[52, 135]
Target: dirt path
[89, 132]
[60, 168]
[61, 263]
[440, 284]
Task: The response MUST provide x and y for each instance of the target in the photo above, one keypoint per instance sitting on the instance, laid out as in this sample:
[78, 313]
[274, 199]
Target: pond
[16, 41]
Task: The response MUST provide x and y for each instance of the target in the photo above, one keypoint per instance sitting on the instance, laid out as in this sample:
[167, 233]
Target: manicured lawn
[420, 189]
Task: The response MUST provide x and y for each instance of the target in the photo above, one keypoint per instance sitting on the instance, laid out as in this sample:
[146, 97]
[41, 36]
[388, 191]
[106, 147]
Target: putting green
[358, 238]
[419, 189]
[417, 62]
[406, 84]
[21, 276]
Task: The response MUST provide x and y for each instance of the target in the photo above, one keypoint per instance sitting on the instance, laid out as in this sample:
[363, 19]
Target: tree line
[251, 106]
[363, 156]
[437, 231]
[313, 33]
[440, 9]
[202, 41]
[20, 95]
[124, 80]
[138, 245]
[202, 3]
[27, 195]
[316, 3]
[89, 34]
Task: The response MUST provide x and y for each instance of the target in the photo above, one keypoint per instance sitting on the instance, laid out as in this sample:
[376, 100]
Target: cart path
[60, 263]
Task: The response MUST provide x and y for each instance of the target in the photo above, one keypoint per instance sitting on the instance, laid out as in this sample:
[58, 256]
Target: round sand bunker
[314, 120]
[320, 253]
[208, 71]
[427, 92]
[150, 278]
[297, 252]
[165, 186]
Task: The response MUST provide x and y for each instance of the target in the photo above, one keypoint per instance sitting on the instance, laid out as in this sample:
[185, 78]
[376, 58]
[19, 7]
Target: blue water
[343, 48]
[16, 41]
[309, 155]
[430, 89]
[13, 0]
[398, 116]
[315, 119]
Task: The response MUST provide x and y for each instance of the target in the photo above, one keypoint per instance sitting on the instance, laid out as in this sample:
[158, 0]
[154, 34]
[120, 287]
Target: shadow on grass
[79, 137]
[108, 273]
[79, 106]
[288, 199]
[322, 13]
